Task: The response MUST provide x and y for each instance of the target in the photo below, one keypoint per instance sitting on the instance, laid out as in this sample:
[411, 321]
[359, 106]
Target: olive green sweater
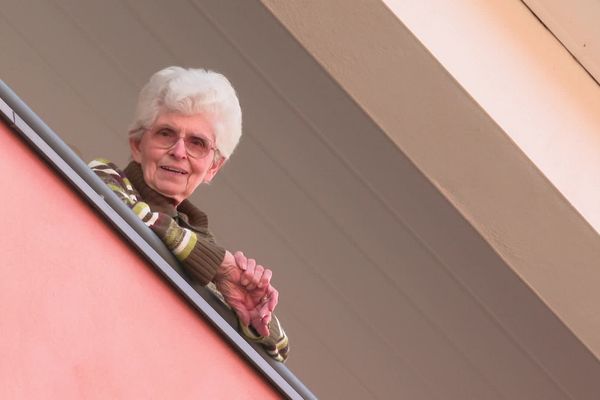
[184, 230]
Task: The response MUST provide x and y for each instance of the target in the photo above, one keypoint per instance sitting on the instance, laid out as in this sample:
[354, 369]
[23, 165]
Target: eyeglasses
[196, 146]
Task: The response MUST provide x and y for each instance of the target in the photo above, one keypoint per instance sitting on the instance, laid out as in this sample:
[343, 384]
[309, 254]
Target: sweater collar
[161, 203]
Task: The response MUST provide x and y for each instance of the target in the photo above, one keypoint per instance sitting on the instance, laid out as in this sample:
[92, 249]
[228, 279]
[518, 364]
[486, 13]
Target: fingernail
[244, 282]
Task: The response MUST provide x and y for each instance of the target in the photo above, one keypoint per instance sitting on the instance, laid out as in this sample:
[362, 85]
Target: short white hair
[192, 91]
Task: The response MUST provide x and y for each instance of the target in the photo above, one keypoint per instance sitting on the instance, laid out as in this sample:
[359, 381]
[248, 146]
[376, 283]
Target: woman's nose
[178, 150]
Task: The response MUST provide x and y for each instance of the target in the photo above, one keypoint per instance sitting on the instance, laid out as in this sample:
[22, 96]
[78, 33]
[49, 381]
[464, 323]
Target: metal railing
[75, 171]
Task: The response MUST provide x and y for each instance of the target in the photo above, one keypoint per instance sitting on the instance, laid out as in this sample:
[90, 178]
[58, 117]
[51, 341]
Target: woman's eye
[198, 142]
[165, 133]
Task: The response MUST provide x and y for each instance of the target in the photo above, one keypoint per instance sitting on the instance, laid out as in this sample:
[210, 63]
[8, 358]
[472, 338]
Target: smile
[173, 169]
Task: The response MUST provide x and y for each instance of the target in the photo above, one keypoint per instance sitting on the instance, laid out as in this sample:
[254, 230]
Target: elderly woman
[187, 124]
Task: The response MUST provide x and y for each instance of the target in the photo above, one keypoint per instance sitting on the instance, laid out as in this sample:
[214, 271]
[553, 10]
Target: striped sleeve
[276, 344]
[199, 254]
[200, 257]
[115, 180]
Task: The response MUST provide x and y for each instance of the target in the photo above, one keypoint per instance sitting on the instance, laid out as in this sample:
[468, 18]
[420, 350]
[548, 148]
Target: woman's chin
[171, 192]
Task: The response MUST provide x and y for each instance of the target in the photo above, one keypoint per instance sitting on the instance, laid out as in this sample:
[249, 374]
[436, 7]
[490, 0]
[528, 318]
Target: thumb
[261, 327]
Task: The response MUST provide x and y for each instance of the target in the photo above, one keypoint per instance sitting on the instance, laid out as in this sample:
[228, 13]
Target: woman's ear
[134, 145]
[214, 168]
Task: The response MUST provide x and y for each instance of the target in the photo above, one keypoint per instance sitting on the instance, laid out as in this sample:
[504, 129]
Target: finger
[265, 313]
[273, 296]
[267, 319]
[248, 272]
[258, 273]
[261, 327]
[241, 260]
[266, 278]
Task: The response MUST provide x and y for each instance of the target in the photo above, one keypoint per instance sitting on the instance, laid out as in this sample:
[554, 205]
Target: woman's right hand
[254, 275]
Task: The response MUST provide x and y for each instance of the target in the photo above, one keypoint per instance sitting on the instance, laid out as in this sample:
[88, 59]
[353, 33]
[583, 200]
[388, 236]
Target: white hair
[192, 91]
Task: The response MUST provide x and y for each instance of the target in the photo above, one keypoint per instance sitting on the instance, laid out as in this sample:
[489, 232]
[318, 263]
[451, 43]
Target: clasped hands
[246, 287]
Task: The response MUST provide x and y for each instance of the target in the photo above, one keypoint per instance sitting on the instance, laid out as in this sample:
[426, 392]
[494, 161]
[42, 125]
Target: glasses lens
[164, 138]
[197, 146]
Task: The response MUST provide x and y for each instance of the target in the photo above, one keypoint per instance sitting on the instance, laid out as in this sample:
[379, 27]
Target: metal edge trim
[76, 172]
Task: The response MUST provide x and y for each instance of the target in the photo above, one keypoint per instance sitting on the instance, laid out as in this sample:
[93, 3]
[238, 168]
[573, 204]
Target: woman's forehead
[187, 124]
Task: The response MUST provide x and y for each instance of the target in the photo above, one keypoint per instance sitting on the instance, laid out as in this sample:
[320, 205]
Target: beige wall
[525, 80]
[575, 25]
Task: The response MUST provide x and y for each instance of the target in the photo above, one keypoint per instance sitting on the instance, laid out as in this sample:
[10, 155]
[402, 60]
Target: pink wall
[83, 316]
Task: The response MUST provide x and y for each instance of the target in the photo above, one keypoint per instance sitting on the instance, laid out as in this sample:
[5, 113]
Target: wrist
[224, 269]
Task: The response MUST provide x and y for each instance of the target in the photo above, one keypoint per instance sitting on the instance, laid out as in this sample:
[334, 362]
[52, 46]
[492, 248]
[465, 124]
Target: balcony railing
[76, 173]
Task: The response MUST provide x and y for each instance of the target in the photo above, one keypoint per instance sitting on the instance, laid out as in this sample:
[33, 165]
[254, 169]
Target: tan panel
[575, 24]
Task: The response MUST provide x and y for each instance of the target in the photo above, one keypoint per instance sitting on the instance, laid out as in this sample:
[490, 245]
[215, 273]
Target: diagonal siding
[370, 259]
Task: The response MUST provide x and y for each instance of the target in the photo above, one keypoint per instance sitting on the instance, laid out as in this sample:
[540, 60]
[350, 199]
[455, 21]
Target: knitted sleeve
[201, 257]
[199, 254]
[276, 344]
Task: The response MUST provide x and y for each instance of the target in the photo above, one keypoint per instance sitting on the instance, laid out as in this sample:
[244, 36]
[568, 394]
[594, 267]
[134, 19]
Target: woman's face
[171, 171]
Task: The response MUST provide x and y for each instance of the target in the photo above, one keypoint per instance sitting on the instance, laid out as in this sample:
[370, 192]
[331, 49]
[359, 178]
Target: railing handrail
[67, 163]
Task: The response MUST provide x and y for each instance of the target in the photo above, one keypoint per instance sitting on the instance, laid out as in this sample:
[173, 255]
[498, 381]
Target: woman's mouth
[174, 169]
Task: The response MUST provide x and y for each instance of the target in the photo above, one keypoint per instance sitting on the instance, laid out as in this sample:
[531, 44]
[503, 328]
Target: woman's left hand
[246, 287]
